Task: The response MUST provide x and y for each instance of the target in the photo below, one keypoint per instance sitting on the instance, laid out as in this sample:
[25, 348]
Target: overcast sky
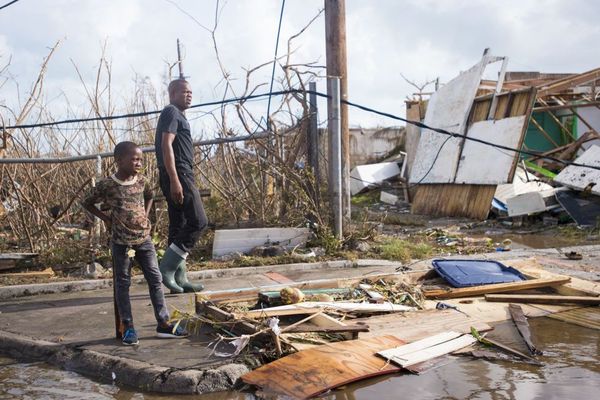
[421, 39]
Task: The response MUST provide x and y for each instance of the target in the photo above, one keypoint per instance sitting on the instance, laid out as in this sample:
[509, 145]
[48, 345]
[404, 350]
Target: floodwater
[570, 370]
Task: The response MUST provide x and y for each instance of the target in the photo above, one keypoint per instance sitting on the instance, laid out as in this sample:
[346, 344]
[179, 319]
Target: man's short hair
[174, 84]
[124, 148]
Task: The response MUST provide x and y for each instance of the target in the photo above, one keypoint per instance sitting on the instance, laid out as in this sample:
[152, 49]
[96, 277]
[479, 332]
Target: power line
[274, 64]
[290, 91]
[8, 4]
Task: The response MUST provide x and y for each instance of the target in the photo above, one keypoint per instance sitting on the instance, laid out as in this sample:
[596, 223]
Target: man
[175, 158]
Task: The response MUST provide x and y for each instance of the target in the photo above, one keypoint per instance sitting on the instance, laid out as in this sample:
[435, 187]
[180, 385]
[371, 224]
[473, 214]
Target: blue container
[465, 273]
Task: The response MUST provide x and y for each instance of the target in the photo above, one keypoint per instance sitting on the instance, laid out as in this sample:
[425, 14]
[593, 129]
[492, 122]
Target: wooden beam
[47, 273]
[240, 327]
[567, 106]
[495, 288]
[331, 329]
[546, 135]
[543, 299]
[567, 83]
[523, 327]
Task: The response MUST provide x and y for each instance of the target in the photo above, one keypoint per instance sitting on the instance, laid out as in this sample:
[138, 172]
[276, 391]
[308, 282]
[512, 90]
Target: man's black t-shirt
[172, 120]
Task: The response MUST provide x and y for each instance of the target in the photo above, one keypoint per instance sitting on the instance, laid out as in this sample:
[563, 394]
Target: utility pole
[335, 39]
[179, 61]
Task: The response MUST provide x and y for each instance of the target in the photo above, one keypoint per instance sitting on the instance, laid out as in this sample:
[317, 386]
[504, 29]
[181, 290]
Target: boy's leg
[121, 271]
[145, 254]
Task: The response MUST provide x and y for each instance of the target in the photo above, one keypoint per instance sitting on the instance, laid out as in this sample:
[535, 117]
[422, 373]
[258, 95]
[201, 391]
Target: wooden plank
[418, 345]
[305, 328]
[269, 312]
[228, 241]
[543, 299]
[316, 306]
[530, 267]
[504, 347]
[494, 288]
[277, 277]
[419, 324]
[588, 317]
[251, 293]
[419, 356]
[47, 273]
[523, 327]
[236, 326]
[314, 371]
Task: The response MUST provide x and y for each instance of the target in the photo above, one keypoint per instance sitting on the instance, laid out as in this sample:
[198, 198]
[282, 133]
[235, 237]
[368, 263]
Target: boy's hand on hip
[177, 192]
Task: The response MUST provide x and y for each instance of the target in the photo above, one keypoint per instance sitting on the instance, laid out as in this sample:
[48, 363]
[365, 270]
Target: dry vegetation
[256, 181]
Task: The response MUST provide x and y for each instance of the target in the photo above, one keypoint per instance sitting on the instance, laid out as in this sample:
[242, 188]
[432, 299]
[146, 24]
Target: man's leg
[171, 259]
[195, 224]
[145, 254]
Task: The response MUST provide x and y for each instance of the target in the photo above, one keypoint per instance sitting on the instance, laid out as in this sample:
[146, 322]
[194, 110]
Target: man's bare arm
[169, 161]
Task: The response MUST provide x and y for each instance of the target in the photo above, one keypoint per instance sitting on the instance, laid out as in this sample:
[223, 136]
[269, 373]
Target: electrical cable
[8, 4]
[283, 92]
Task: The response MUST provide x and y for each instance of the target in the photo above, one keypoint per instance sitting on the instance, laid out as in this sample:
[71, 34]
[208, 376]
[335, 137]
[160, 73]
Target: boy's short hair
[123, 148]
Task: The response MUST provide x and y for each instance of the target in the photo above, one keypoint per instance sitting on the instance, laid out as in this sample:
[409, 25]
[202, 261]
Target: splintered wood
[314, 371]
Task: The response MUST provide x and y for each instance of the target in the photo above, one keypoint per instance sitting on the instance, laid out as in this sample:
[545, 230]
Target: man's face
[182, 96]
[131, 163]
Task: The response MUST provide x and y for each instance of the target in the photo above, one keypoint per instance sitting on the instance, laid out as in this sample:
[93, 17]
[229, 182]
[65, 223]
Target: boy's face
[131, 163]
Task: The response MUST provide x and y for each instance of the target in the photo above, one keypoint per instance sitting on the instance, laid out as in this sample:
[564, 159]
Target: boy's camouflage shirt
[126, 200]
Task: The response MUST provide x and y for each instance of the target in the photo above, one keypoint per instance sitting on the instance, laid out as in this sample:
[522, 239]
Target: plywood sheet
[417, 325]
[228, 241]
[448, 109]
[580, 178]
[311, 372]
[482, 164]
[470, 201]
[588, 317]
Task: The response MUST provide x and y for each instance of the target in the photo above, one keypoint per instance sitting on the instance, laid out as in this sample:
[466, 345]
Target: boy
[129, 197]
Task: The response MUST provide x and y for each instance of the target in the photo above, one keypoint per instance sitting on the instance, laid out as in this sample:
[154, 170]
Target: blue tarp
[465, 273]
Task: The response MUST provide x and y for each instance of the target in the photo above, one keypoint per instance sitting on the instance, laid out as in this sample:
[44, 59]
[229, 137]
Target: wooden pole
[335, 39]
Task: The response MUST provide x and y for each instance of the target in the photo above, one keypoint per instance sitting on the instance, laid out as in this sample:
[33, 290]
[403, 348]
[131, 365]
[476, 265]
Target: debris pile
[353, 329]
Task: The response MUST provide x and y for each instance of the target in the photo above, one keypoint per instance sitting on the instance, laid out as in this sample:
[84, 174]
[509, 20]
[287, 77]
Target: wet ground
[571, 370]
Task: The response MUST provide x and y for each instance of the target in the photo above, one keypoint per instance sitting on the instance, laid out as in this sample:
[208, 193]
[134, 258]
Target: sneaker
[130, 337]
[170, 332]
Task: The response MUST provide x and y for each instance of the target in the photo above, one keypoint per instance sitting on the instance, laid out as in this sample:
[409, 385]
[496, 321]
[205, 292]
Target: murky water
[571, 370]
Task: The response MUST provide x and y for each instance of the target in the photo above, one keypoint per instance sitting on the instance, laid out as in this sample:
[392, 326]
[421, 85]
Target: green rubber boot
[168, 266]
[182, 280]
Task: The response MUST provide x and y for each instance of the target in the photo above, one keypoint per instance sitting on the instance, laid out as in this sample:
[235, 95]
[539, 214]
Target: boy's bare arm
[98, 213]
[148, 206]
